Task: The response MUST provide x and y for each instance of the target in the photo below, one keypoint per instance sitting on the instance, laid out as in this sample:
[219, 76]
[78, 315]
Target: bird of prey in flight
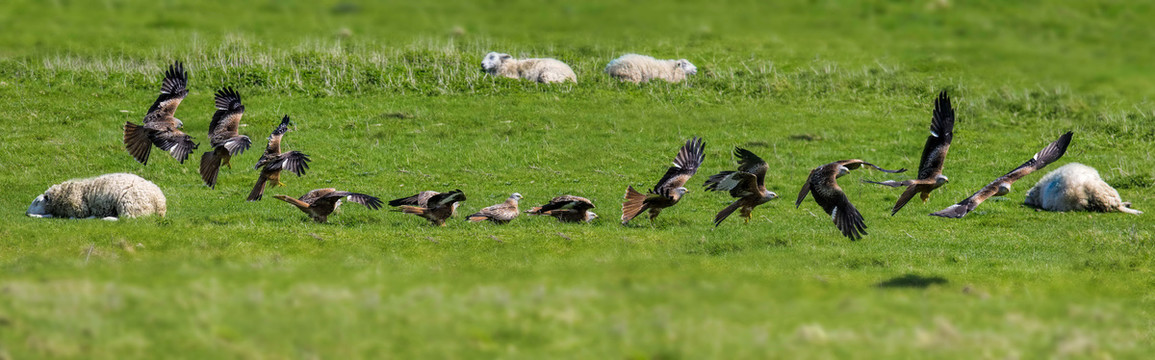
[1002, 185]
[670, 188]
[223, 136]
[320, 203]
[161, 128]
[930, 175]
[823, 184]
[273, 161]
[748, 185]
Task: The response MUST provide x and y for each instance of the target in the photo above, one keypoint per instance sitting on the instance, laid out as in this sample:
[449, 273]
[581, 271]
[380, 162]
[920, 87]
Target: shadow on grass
[912, 281]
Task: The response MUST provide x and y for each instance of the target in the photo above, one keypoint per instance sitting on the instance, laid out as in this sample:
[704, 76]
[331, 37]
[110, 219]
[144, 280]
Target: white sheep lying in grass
[640, 68]
[1076, 187]
[106, 196]
[539, 70]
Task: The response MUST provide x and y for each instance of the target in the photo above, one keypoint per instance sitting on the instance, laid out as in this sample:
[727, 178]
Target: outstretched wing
[294, 161]
[371, 202]
[173, 89]
[845, 216]
[568, 202]
[748, 162]
[445, 198]
[177, 143]
[685, 165]
[228, 115]
[1051, 153]
[938, 143]
[805, 188]
[854, 164]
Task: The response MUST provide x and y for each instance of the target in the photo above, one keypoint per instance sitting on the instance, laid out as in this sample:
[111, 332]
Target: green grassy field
[388, 99]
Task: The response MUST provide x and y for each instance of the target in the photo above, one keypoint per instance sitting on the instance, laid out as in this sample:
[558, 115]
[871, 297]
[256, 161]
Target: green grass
[388, 100]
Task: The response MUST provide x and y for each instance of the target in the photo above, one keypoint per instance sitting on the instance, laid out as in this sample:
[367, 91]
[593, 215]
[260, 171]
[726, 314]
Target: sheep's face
[686, 66]
[493, 61]
[39, 206]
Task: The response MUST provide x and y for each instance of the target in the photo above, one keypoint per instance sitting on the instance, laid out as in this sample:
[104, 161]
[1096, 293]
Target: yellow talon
[279, 183]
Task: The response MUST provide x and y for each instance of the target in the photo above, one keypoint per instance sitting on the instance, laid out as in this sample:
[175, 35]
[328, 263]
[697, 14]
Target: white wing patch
[728, 182]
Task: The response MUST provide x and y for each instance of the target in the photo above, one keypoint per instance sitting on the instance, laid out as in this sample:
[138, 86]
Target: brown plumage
[320, 203]
[273, 161]
[566, 208]
[499, 214]
[748, 184]
[1002, 185]
[670, 188]
[823, 183]
[223, 136]
[431, 205]
[161, 128]
[930, 175]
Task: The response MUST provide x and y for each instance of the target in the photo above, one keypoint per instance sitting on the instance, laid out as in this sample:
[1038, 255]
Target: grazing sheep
[640, 68]
[1076, 187]
[106, 196]
[540, 70]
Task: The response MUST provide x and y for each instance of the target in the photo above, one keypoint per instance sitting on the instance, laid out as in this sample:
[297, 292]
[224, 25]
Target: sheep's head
[493, 61]
[686, 66]
[39, 206]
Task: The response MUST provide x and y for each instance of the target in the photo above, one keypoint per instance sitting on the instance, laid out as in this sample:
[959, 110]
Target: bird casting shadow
[912, 281]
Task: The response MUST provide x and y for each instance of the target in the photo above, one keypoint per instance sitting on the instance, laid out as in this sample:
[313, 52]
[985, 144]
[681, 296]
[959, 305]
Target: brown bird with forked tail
[223, 136]
[431, 205]
[930, 175]
[161, 128]
[567, 208]
[670, 189]
[748, 184]
[1002, 185]
[273, 161]
[320, 203]
[823, 183]
[499, 214]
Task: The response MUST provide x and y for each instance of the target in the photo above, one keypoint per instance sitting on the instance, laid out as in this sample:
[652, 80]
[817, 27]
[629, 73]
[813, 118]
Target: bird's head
[515, 197]
[769, 195]
[1004, 189]
[842, 170]
[941, 179]
[681, 191]
[590, 216]
[179, 124]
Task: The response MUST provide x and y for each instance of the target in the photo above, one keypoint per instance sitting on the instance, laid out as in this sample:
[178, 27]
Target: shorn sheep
[540, 70]
[1076, 187]
[108, 196]
[640, 68]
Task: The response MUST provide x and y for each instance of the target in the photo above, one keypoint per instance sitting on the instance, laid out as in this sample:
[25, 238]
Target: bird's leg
[924, 196]
[227, 163]
[279, 183]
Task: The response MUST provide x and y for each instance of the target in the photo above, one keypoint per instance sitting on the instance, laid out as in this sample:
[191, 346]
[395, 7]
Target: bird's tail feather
[722, 215]
[210, 167]
[258, 190]
[634, 205]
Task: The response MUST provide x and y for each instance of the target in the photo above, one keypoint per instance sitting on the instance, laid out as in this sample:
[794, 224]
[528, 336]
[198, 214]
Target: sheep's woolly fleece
[543, 70]
[640, 68]
[106, 196]
[1076, 187]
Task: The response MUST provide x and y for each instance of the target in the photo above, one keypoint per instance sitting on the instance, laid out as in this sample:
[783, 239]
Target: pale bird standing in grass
[223, 136]
[930, 175]
[431, 205]
[823, 183]
[671, 188]
[1002, 185]
[320, 203]
[161, 128]
[499, 214]
[273, 161]
[748, 185]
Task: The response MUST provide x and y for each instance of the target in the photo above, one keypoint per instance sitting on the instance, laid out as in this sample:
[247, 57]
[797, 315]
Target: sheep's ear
[506, 56]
